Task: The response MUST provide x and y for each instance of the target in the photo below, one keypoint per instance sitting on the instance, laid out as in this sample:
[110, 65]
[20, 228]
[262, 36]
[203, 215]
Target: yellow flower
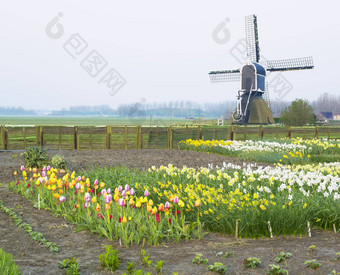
[94, 200]
[180, 203]
[262, 207]
[124, 220]
[290, 203]
[305, 205]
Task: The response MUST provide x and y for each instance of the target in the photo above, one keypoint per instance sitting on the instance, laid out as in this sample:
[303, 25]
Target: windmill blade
[225, 76]
[266, 95]
[302, 63]
[252, 38]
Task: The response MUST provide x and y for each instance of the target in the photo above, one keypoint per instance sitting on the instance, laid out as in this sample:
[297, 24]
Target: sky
[56, 54]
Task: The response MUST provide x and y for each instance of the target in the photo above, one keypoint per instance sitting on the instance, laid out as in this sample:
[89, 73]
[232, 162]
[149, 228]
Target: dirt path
[35, 259]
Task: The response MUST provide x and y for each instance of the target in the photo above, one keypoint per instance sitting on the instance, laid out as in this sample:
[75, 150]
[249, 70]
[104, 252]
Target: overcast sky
[156, 51]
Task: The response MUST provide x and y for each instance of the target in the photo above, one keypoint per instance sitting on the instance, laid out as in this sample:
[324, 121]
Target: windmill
[251, 106]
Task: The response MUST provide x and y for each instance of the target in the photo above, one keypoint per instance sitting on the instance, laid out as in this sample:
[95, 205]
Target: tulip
[131, 202]
[181, 203]
[150, 203]
[87, 204]
[146, 193]
[43, 174]
[161, 207]
[176, 199]
[44, 168]
[94, 200]
[198, 203]
[15, 173]
[121, 202]
[103, 192]
[22, 168]
[98, 207]
[124, 220]
[107, 206]
[87, 197]
[154, 211]
[127, 187]
[95, 182]
[123, 193]
[62, 199]
[108, 198]
[132, 192]
[120, 188]
[102, 185]
[78, 185]
[108, 191]
[48, 168]
[167, 205]
[149, 208]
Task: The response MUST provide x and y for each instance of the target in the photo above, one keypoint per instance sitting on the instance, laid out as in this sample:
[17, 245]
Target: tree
[299, 113]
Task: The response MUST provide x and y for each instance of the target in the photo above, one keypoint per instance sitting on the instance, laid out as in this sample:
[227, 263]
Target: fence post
[39, 135]
[108, 137]
[231, 132]
[4, 135]
[261, 132]
[139, 137]
[126, 136]
[316, 132]
[245, 132]
[170, 137]
[76, 138]
[289, 133]
[200, 133]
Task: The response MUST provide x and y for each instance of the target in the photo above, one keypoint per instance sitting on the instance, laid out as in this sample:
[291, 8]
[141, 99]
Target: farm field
[177, 257]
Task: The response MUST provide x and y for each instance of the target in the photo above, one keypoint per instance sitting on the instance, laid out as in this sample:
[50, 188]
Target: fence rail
[138, 137]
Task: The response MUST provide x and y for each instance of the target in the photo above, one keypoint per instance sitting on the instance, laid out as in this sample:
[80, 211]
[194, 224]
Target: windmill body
[251, 107]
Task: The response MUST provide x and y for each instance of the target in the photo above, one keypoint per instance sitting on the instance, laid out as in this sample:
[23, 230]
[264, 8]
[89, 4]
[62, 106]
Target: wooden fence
[137, 137]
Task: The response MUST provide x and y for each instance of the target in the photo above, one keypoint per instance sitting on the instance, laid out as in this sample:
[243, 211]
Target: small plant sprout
[199, 260]
[159, 267]
[219, 253]
[130, 267]
[276, 270]
[228, 254]
[334, 273]
[145, 258]
[70, 265]
[252, 262]
[283, 257]
[312, 248]
[217, 267]
[337, 257]
[313, 264]
[109, 259]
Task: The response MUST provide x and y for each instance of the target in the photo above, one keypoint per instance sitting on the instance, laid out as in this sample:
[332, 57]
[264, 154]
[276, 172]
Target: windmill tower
[251, 105]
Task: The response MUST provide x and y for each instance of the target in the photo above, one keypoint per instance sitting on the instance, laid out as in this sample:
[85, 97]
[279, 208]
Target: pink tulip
[87, 204]
[127, 187]
[120, 188]
[103, 191]
[108, 191]
[48, 168]
[22, 168]
[146, 193]
[167, 205]
[95, 182]
[121, 202]
[108, 198]
[87, 197]
[176, 199]
[123, 193]
[79, 178]
[62, 199]
[43, 174]
[78, 185]
[132, 192]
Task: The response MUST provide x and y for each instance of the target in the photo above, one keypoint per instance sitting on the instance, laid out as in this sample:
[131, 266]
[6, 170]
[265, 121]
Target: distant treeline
[10, 111]
[324, 103]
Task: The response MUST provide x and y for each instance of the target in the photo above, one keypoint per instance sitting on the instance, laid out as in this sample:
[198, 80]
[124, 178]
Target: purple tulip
[78, 185]
[22, 168]
[95, 182]
[146, 193]
[87, 197]
[127, 187]
[167, 205]
[87, 204]
[62, 199]
[108, 198]
[121, 202]
[132, 192]
[103, 191]
[176, 199]
[43, 174]
[120, 188]
[108, 191]
[123, 193]
[79, 178]
[48, 168]
[44, 169]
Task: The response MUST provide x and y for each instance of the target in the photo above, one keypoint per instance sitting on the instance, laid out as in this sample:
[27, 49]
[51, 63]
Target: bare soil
[35, 259]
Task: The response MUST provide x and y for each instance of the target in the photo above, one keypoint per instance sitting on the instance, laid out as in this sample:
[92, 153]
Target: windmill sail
[302, 63]
[252, 38]
[225, 76]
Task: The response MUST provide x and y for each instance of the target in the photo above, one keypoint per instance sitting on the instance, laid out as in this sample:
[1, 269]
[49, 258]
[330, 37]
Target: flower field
[286, 151]
[175, 203]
